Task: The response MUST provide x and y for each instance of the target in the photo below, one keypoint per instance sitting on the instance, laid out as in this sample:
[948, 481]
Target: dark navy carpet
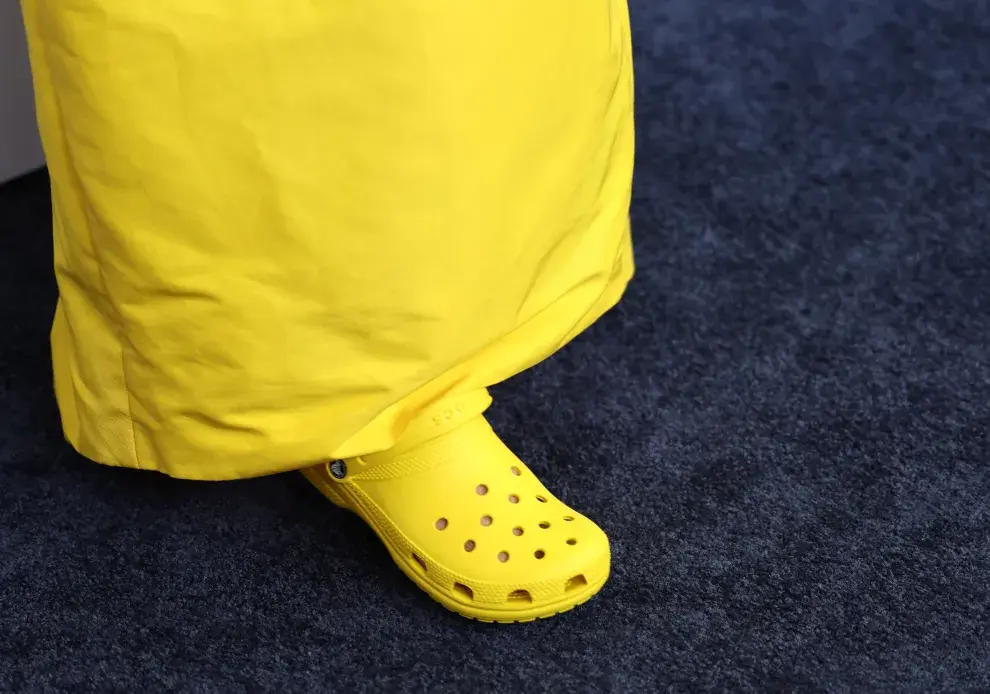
[784, 428]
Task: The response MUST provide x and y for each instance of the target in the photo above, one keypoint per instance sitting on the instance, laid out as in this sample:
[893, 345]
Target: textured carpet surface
[783, 428]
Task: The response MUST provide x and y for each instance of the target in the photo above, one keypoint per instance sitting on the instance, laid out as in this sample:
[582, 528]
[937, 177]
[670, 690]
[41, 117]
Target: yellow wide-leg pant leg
[285, 228]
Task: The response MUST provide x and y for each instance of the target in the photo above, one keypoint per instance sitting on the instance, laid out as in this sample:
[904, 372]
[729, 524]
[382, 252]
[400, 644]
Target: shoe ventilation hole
[544, 525]
[419, 562]
[481, 489]
[503, 557]
[517, 531]
[576, 582]
[572, 541]
[541, 499]
[568, 518]
[441, 524]
[486, 521]
[539, 554]
[520, 596]
[464, 591]
[515, 471]
[469, 546]
[513, 498]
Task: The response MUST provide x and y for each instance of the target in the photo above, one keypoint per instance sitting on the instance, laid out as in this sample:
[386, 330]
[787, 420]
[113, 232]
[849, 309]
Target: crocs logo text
[448, 414]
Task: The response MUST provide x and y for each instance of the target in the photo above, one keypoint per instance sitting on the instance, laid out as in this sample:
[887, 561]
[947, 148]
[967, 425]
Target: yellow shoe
[466, 520]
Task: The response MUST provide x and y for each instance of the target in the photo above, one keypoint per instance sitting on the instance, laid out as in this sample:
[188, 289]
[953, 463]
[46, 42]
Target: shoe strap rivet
[338, 468]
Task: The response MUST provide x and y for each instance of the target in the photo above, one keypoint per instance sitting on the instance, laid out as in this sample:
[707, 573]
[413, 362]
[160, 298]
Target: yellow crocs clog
[466, 520]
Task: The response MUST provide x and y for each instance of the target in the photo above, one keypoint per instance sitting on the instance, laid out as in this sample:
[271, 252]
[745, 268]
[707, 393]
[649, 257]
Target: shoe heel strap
[431, 423]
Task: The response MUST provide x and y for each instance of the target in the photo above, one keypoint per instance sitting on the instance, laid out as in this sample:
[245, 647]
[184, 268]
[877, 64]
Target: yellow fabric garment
[284, 227]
